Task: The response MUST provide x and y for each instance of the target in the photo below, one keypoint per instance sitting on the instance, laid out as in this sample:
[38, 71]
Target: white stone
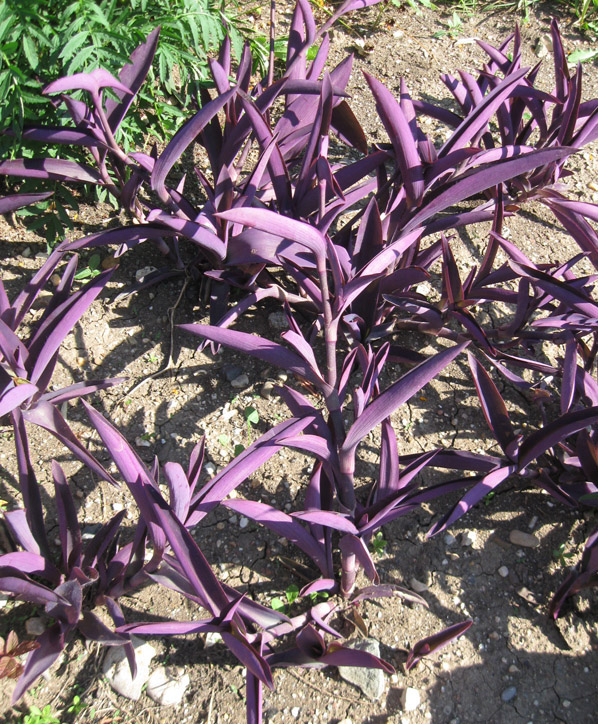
[418, 586]
[468, 538]
[116, 668]
[295, 712]
[410, 699]
[212, 638]
[243, 522]
[167, 685]
[35, 626]
[372, 682]
[526, 540]
[503, 571]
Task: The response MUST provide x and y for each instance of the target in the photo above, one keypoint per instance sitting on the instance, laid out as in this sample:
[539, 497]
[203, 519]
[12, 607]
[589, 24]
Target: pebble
[533, 522]
[55, 279]
[449, 539]
[243, 522]
[116, 668]
[210, 468]
[3, 600]
[593, 185]
[418, 586]
[140, 442]
[526, 540]
[278, 321]
[140, 274]
[371, 681]
[212, 638]
[509, 694]
[468, 538]
[34, 626]
[410, 699]
[26, 252]
[513, 669]
[231, 372]
[117, 507]
[503, 571]
[240, 382]
[267, 390]
[295, 712]
[167, 685]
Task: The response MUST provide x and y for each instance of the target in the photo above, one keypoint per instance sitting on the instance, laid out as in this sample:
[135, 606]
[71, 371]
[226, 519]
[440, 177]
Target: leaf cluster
[342, 247]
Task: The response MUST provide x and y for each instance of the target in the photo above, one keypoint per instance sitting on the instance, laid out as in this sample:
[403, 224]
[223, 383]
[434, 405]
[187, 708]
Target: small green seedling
[224, 440]
[291, 595]
[252, 417]
[563, 558]
[378, 543]
[455, 26]
[40, 716]
[92, 269]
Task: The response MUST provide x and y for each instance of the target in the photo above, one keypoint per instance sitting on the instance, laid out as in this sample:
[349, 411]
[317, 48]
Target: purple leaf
[132, 77]
[51, 643]
[68, 526]
[483, 178]
[51, 168]
[434, 643]
[92, 82]
[183, 138]
[478, 491]
[16, 201]
[404, 144]
[494, 408]
[283, 525]
[554, 432]
[47, 416]
[263, 349]
[398, 393]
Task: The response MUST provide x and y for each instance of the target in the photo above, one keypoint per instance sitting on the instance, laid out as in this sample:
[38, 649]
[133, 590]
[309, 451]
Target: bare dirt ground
[514, 665]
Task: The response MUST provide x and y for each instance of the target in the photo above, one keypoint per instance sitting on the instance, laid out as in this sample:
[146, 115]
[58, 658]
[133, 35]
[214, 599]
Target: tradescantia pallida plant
[343, 247]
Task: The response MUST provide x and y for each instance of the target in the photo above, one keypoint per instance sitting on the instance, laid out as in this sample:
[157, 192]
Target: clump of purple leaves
[342, 247]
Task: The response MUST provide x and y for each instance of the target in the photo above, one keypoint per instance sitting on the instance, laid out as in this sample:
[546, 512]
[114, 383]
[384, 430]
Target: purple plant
[85, 576]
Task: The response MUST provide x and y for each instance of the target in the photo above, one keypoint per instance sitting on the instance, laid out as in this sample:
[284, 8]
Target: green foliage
[291, 594]
[42, 40]
[561, 556]
[40, 716]
[379, 543]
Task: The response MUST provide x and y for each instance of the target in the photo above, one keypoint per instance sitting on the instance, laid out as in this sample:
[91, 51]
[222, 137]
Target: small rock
[525, 540]
[509, 693]
[117, 507]
[267, 390]
[346, 721]
[533, 522]
[541, 48]
[593, 185]
[243, 522]
[278, 321]
[503, 571]
[89, 532]
[140, 274]
[566, 703]
[116, 668]
[210, 468]
[494, 636]
[513, 669]
[109, 262]
[26, 252]
[295, 712]
[212, 638]
[468, 538]
[371, 681]
[55, 279]
[410, 699]
[418, 586]
[167, 685]
[282, 376]
[231, 372]
[449, 539]
[3, 600]
[35, 626]
[142, 442]
[240, 382]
